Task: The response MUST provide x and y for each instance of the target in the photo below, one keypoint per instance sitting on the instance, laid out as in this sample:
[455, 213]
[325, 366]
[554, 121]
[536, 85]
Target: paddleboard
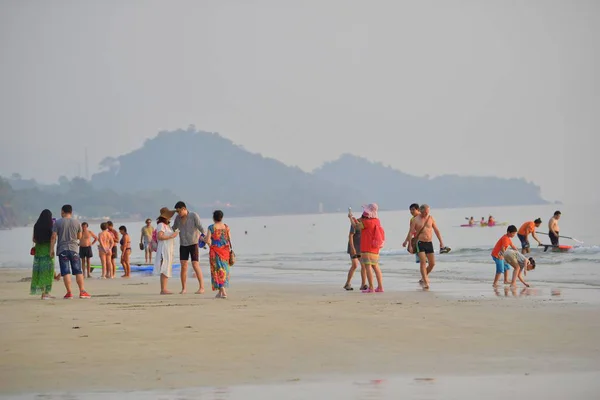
[136, 267]
[559, 248]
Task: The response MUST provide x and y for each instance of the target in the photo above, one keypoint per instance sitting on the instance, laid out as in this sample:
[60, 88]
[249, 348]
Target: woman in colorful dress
[219, 241]
[165, 237]
[43, 260]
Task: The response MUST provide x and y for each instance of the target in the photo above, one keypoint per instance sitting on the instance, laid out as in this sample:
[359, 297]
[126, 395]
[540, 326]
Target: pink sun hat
[370, 210]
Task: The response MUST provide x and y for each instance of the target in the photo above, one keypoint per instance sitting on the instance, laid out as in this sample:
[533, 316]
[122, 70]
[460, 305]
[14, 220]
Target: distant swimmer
[491, 221]
[471, 221]
[527, 228]
[482, 222]
[553, 229]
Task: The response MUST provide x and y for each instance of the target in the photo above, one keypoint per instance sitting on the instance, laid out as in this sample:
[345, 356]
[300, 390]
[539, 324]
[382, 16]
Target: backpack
[154, 242]
[378, 236]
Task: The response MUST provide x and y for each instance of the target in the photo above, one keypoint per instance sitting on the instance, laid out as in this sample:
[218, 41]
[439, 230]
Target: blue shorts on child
[501, 266]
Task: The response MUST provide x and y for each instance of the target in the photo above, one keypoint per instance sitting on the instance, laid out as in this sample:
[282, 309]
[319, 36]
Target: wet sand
[448, 387]
[127, 337]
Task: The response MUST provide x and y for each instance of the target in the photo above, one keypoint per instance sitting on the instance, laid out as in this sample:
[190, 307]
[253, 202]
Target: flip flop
[347, 287]
[444, 250]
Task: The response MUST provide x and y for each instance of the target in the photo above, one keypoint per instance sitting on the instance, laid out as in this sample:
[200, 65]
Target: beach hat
[370, 210]
[166, 213]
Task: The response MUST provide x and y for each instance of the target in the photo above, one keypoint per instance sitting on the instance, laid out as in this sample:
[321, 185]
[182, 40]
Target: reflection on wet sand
[370, 390]
[515, 291]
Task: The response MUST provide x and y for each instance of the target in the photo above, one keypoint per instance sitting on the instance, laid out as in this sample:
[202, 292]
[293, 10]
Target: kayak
[485, 225]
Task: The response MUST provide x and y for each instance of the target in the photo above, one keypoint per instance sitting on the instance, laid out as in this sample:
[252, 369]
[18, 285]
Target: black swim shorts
[426, 247]
[85, 252]
[553, 238]
[186, 251]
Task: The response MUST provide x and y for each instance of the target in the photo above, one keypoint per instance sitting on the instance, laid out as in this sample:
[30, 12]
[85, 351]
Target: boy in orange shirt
[498, 254]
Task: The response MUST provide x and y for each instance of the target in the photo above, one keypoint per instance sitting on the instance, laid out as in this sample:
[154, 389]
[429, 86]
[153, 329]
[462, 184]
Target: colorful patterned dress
[43, 270]
[219, 257]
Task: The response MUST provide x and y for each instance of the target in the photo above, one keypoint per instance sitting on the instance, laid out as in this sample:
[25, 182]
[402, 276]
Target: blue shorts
[524, 241]
[69, 262]
[501, 266]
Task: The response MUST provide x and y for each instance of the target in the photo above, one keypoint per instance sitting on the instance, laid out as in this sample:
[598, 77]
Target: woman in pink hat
[371, 241]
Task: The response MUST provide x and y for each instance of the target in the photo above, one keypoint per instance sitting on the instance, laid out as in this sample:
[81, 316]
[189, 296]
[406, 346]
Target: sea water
[312, 249]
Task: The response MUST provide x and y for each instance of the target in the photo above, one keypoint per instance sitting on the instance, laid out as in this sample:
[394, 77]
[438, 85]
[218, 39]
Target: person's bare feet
[166, 292]
[183, 291]
[200, 291]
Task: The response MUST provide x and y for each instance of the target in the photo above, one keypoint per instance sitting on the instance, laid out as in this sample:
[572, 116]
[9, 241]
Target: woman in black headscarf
[43, 260]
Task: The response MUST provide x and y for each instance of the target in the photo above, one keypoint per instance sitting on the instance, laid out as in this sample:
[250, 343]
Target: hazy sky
[506, 88]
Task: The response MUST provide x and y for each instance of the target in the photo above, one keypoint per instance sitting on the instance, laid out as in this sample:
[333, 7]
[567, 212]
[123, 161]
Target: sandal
[364, 287]
[348, 287]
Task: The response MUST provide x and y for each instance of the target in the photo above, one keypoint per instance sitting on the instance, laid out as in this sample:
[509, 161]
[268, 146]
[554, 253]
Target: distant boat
[484, 225]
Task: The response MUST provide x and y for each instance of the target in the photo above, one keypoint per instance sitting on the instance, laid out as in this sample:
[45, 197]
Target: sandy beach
[127, 337]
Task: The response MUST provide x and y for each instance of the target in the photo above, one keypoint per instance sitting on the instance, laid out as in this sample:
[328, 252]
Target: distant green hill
[210, 172]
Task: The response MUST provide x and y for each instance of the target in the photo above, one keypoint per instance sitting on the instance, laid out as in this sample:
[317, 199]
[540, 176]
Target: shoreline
[128, 337]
